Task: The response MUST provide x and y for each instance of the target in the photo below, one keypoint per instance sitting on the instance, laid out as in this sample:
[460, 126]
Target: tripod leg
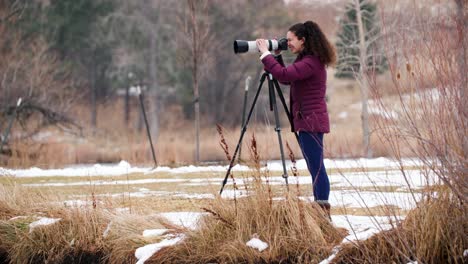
[244, 129]
[280, 93]
[244, 108]
[277, 128]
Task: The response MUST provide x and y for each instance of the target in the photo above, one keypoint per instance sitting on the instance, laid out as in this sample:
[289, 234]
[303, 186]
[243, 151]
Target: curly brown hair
[315, 42]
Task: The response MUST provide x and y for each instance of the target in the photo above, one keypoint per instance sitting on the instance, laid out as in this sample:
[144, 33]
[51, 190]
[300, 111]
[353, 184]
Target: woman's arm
[300, 70]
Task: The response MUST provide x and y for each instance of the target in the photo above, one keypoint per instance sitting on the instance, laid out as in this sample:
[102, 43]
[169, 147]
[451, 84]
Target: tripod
[272, 85]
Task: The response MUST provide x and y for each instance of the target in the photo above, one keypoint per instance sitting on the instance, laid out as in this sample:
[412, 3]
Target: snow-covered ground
[125, 168]
[359, 183]
[363, 182]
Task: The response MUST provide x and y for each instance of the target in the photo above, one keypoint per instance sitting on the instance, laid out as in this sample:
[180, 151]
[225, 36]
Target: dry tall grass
[84, 234]
[430, 118]
[434, 232]
[295, 231]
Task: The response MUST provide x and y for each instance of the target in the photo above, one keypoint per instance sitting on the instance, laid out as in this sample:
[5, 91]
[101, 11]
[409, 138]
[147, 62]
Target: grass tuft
[434, 232]
[295, 230]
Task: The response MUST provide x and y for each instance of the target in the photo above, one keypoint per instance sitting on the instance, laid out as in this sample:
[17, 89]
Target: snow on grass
[352, 198]
[362, 227]
[359, 227]
[124, 168]
[101, 182]
[346, 192]
[365, 199]
[154, 232]
[184, 219]
[415, 178]
[332, 256]
[108, 228]
[338, 198]
[94, 170]
[43, 221]
[145, 252]
[257, 244]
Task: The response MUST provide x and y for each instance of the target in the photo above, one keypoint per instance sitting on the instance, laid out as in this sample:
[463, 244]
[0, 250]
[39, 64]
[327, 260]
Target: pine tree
[348, 41]
[75, 30]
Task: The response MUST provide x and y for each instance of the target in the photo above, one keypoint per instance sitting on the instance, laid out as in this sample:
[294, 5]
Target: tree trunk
[127, 106]
[364, 86]
[93, 87]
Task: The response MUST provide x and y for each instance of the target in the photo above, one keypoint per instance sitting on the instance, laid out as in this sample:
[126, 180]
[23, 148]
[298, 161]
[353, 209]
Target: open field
[147, 205]
[359, 187]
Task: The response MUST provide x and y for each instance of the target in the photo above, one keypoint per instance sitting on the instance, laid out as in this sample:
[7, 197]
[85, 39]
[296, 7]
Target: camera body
[243, 46]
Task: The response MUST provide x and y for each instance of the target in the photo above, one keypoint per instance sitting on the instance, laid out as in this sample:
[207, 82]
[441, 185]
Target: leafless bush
[31, 72]
[428, 115]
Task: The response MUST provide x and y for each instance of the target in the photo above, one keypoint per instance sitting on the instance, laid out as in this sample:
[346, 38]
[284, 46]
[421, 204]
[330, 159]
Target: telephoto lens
[243, 46]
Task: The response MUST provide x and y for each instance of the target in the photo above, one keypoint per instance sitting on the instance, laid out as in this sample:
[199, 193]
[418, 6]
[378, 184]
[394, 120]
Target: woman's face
[295, 45]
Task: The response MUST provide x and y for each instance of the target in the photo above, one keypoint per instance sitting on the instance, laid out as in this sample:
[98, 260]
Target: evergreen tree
[348, 41]
[75, 30]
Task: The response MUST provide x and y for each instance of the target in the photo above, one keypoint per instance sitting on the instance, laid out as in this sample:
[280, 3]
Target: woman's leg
[312, 149]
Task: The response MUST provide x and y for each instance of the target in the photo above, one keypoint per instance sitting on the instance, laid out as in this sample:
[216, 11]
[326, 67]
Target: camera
[242, 46]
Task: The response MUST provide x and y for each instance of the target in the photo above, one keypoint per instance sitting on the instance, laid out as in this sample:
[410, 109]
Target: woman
[307, 77]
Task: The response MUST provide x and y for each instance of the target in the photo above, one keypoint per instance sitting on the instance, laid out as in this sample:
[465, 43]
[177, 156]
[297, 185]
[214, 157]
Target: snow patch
[106, 232]
[145, 252]
[257, 244]
[328, 260]
[43, 221]
[362, 227]
[154, 232]
[124, 168]
[185, 219]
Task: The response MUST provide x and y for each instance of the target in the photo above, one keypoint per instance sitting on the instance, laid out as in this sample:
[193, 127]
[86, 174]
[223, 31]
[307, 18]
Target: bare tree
[429, 88]
[31, 72]
[359, 55]
[362, 79]
[199, 33]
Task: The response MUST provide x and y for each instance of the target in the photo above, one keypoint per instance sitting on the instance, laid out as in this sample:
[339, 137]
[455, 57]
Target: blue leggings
[312, 150]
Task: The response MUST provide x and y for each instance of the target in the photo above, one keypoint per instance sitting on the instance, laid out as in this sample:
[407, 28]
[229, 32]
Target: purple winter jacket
[307, 77]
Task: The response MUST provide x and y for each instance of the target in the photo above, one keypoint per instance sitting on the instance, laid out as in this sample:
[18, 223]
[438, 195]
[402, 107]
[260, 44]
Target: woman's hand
[277, 51]
[262, 45]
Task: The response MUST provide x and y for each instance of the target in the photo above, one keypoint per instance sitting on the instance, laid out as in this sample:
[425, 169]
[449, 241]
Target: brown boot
[326, 207]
